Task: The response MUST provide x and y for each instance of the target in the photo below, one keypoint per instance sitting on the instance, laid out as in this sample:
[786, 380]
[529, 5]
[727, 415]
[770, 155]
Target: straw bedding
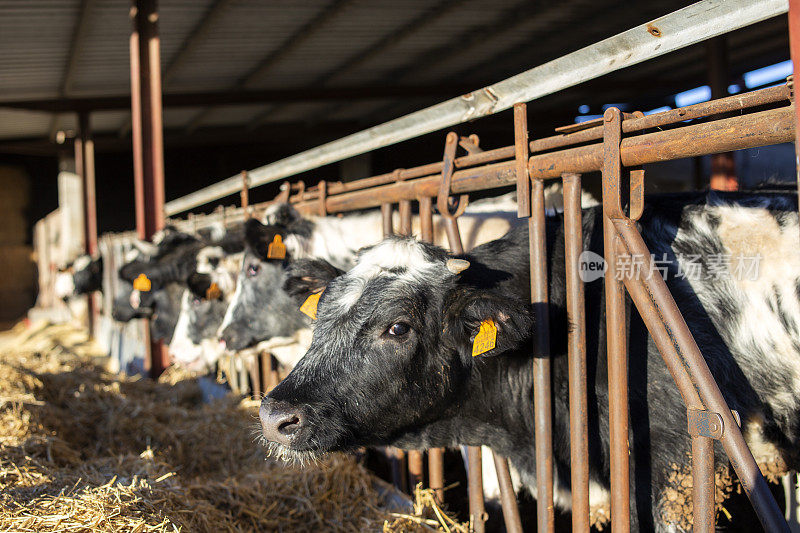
[85, 450]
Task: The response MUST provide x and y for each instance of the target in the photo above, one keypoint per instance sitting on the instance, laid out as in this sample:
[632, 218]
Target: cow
[209, 291]
[167, 264]
[83, 276]
[391, 359]
[261, 310]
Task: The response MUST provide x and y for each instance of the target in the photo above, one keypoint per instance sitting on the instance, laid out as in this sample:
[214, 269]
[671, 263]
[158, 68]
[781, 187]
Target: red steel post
[84, 164]
[148, 145]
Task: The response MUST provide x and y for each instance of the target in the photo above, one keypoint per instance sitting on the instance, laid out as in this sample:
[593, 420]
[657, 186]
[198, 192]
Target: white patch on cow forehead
[400, 259]
[394, 254]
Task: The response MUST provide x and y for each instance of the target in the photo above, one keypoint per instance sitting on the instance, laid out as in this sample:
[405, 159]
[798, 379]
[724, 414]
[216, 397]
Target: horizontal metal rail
[762, 128]
[671, 32]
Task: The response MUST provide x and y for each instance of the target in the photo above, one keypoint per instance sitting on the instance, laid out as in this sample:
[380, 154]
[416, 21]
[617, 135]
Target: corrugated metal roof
[287, 44]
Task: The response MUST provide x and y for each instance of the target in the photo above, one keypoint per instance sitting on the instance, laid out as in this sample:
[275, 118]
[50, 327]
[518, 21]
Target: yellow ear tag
[142, 284]
[276, 249]
[309, 307]
[213, 292]
[486, 338]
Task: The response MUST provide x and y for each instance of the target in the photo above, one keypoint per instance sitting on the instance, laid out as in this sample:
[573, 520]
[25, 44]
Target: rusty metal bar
[435, 455]
[86, 148]
[386, 217]
[739, 102]
[703, 487]
[415, 469]
[691, 373]
[507, 496]
[578, 395]
[542, 396]
[794, 49]
[616, 329]
[255, 378]
[477, 509]
[245, 194]
[521, 159]
[762, 128]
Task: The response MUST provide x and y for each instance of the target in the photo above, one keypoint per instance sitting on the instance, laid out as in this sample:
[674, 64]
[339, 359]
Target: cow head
[391, 349]
[203, 307]
[261, 309]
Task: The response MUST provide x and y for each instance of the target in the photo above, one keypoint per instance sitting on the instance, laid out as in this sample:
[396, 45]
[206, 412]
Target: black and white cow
[262, 312]
[83, 276]
[390, 361]
[167, 263]
[204, 303]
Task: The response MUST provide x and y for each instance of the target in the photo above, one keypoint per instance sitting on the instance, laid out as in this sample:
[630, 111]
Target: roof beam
[195, 99]
[75, 47]
[469, 39]
[294, 41]
[441, 9]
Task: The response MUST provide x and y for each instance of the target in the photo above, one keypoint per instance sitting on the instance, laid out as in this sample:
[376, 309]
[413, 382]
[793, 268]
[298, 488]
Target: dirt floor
[85, 450]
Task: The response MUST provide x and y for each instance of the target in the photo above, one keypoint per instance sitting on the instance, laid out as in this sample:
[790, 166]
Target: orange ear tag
[213, 292]
[486, 338]
[276, 249]
[142, 284]
[309, 307]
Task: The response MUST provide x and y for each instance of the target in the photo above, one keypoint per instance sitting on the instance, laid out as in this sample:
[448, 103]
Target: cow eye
[252, 270]
[398, 329]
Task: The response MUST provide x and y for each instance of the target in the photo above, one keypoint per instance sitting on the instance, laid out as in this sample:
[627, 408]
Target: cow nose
[280, 422]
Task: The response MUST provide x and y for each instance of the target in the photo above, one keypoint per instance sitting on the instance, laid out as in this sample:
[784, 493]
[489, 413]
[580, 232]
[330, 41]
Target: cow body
[390, 361]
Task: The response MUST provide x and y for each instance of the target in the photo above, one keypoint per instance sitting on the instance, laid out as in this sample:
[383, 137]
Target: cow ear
[199, 284]
[500, 323]
[257, 238]
[307, 276]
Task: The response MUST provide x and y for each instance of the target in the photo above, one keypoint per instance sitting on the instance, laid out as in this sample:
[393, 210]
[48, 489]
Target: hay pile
[85, 450]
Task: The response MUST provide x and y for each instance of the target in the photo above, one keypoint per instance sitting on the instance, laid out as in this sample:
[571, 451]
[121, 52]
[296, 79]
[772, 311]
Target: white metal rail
[687, 26]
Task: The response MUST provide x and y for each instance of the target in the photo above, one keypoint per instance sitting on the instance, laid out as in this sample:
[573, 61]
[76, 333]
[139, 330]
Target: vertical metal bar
[703, 487]
[477, 509]
[255, 377]
[136, 128]
[148, 137]
[435, 455]
[86, 173]
[616, 330]
[245, 194]
[576, 310]
[542, 398]
[426, 218]
[404, 207]
[507, 496]
[386, 213]
[521, 154]
[794, 49]
[415, 469]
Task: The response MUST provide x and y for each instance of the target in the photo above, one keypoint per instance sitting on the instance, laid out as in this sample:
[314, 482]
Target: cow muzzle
[280, 422]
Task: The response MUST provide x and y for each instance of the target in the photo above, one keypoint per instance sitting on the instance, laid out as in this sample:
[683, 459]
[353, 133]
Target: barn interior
[248, 83]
